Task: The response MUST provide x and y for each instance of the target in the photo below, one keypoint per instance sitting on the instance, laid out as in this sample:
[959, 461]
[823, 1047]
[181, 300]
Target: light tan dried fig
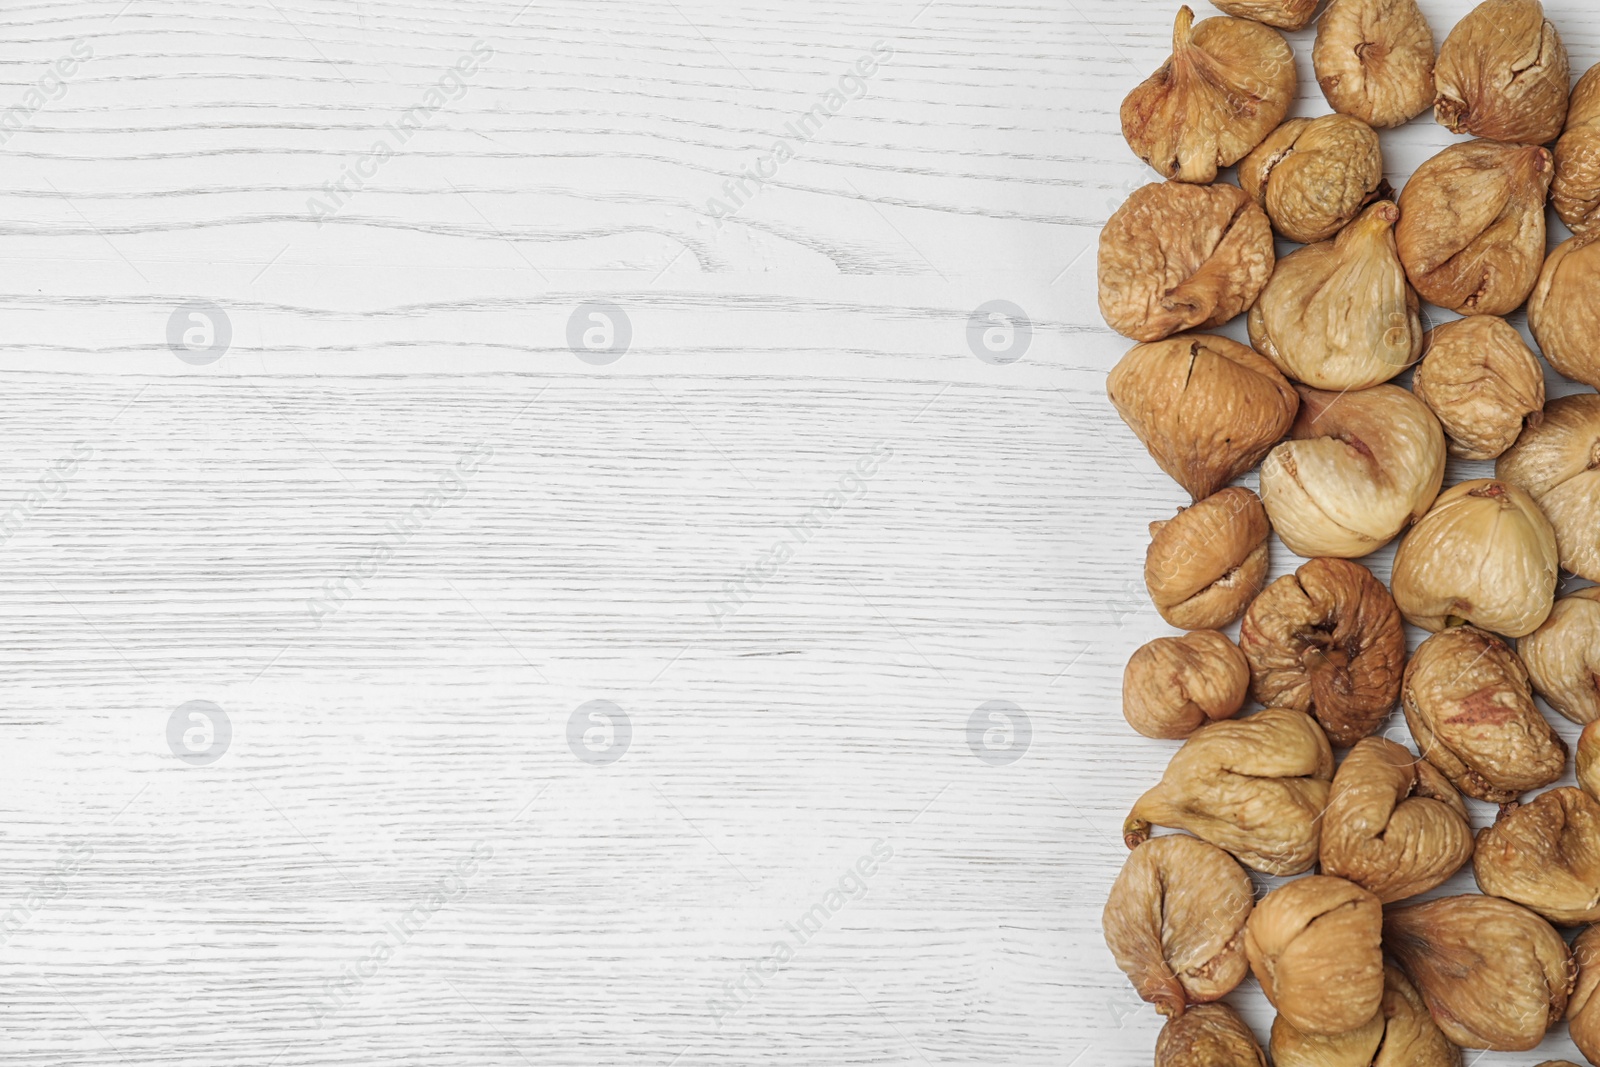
[1576, 190]
[1563, 657]
[1174, 685]
[1314, 945]
[1327, 640]
[1313, 176]
[1227, 84]
[1545, 855]
[1393, 825]
[1205, 565]
[1255, 787]
[1339, 314]
[1484, 554]
[1358, 468]
[1208, 1035]
[1583, 1009]
[1482, 382]
[1493, 974]
[1206, 407]
[1565, 305]
[1558, 463]
[1472, 227]
[1502, 74]
[1402, 1034]
[1182, 257]
[1292, 1047]
[1374, 60]
[1175, 922]
[1470, 707]
[1284, 14]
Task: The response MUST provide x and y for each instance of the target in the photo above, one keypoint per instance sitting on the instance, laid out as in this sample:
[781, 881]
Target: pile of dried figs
[1353, 410]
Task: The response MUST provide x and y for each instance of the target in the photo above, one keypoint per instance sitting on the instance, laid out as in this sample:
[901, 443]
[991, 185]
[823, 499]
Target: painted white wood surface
[168, 524]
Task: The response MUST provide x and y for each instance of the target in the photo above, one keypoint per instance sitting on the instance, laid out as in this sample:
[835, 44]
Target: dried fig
[1174, 685]
[1469, 705]
[1357, 469]
[1339, 314]
[1493, 974]
[1175, 922]
[1292, 1047]
[1482, 382]
[1284, 14]
[1393, 824]
[1227, 84]
[1327, 640]
[1205, 565]
[1181, 257]
[1313, 176]
[1564, 306]
[1545, 855]
[1583, 1010]
[1502, 74]
[1576, 190]
[1206, 407]
[1255, 787]
[1558, 463]
[1402, 1034]
[1563, 657]
[1208, 1035]
[1374, 60]
[1314, 945]
[1472, 231]
[1588, 760]
[1484, 554]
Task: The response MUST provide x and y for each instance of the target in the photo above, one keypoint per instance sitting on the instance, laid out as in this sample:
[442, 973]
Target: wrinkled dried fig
[1174, 685]
[1482, 382]
[1472, 228]
[1339, 314]
[1564, 306]
[1284, 14]
[1206, 407]
[1402, 1034]
[1292, 1047]
[1255, 787]
[1470, 707]
[1545, 855]
[1576, 190]
[1374, 60]
[1558, 463]
[1563, 657]
[1313, 176]
[1357, 469]
[1583, 1010]
[1227, 84]
[1393, 825]
[1484, 554]
[1181, 257]
[1208, 1035]
[1314, 946]
[1205, 565]
[1502, 74]
[1493, 974]
[1175, 922]
[1327, 640]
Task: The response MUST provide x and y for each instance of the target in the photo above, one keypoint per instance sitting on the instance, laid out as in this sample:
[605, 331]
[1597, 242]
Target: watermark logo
[999, 332]
[199, 333]
[599, 733]
[999, 733]
[599, 332]
[199, 733]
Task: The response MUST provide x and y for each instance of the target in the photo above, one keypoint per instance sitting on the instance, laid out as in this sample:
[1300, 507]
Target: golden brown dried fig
[1206, 407]
[1482, 382]
[1558, 463]
[1327, 640]
[1563, 657]
[1393, 825]
[1284, 14]
[1339, 314]
[1493, 974]
[1174, 685]
[1255, 787]
[1205, 565]
[1313, 176]
[1576, 190]
[1227, 84]
[1484, 554]
[1403, 1034]
[1181, 257]
[1564, 306]
[1502, 74]
[1545, 855]
[1292, 1047]
[1175, 922]
[1374, 60]
[1583, 1010]
[1314, 946]
[1208, 1035]
[1469, 705]
[1472, 231]
[1357, 469]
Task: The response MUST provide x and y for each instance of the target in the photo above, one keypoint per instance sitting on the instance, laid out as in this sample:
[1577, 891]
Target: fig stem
[1182, 29]
[1135, 831]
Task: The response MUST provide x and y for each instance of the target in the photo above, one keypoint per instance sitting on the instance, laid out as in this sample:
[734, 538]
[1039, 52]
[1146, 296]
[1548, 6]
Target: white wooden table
[399, 536]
